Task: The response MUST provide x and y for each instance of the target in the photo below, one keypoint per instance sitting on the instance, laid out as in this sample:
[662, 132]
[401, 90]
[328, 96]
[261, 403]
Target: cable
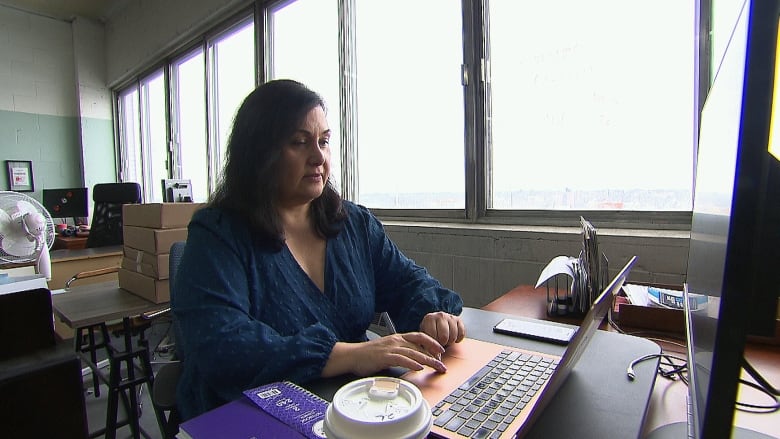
[757, 408]
[763, 386]
[677, 371]
[759, 379]
[649, 335]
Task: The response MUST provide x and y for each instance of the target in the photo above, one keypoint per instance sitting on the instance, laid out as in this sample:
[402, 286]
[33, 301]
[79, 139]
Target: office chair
[106, 227]
[167, 378]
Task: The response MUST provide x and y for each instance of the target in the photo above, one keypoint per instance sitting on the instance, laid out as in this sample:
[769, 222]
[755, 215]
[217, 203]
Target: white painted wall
[94, 103]
[36, 64]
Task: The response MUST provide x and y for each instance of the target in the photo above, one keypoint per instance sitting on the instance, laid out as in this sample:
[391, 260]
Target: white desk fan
[26, 231]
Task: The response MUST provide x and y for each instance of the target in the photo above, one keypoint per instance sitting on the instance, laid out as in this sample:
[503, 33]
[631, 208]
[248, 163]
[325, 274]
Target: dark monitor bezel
[733, 255]
[51, 196]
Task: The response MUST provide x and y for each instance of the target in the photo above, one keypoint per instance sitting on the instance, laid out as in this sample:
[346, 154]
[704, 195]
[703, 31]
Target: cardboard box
[149, 264]
[155, 241]
[155, 290]
[159, 215]
[650, 317]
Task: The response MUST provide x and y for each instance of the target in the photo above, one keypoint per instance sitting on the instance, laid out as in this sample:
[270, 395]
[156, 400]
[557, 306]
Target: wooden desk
[97, 303]
[91, 306]
[69, 242]
[668, 401]
[66, 263]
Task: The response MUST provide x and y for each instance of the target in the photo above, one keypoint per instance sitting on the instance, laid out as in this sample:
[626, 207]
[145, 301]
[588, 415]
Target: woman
[280, 277]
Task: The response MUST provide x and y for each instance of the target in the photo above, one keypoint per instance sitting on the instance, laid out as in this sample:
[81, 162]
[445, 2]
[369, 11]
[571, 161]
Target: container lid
[378, 407]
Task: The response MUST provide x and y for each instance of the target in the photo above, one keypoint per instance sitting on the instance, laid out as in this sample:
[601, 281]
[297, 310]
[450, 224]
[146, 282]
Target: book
[293, 405]
[278, 410]
[239, 419]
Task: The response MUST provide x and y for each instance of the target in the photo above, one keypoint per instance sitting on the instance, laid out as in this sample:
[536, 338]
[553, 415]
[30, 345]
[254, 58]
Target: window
[188, 85]
[129, 136]
[316, 66]
[410, 106]
[207, 84]
[232, 66]
[466, 110]
[591, 110]
[154, 140]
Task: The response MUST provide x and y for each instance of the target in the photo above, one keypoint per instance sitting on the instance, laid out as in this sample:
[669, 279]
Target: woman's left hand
[444, 328]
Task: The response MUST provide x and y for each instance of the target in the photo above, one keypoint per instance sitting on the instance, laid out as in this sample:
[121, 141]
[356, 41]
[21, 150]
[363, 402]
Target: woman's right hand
[411, 350]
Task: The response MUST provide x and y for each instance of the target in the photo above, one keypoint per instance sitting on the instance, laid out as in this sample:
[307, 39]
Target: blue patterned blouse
[248, 315]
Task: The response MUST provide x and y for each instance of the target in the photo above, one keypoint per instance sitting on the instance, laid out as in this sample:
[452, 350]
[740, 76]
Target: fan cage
[8, 201]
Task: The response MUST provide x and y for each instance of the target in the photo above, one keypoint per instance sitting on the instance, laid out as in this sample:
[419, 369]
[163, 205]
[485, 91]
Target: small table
[88, 308]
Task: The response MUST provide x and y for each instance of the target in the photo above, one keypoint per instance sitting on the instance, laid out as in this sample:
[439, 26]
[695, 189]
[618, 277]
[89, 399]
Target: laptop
[496, 391]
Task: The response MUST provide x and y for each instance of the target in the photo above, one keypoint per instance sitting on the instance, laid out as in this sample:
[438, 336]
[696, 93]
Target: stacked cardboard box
[149, 231]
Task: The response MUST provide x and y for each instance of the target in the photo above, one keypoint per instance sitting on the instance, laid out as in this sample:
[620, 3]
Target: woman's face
[305, 161]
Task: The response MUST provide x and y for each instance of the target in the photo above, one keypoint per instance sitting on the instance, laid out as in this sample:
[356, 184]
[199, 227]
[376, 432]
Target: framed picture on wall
[20, 175]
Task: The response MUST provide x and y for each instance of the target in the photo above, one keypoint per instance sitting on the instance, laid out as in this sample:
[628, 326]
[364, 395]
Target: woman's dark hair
[249, 185]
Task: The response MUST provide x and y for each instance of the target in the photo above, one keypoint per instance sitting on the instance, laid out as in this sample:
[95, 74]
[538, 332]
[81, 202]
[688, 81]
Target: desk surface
[97, 303]
[596, 401]
[63, 255]
[668, 401]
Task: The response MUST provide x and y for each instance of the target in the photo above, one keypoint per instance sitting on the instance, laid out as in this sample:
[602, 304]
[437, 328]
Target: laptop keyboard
[485, 405]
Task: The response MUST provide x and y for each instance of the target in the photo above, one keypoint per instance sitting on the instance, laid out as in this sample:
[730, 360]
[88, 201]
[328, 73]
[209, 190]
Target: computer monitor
[735, 232]
[67, 203]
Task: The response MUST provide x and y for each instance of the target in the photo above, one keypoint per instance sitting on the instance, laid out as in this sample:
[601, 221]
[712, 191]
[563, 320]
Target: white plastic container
[378, 408]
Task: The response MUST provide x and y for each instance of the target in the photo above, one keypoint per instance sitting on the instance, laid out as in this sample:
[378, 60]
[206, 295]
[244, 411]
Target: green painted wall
[52, 144]
[97, 137]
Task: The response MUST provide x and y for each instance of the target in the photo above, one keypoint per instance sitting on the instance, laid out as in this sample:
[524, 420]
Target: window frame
[476, 94]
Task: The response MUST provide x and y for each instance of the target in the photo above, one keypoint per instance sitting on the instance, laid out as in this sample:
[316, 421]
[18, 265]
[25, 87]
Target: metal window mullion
[702, 75]
[174, 144]
[212, 116]
[348, 116]
[476, 141]
[263, 43]
[171, 156]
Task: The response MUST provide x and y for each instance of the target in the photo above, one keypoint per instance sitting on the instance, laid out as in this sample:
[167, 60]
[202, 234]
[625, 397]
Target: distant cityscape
[638, 200]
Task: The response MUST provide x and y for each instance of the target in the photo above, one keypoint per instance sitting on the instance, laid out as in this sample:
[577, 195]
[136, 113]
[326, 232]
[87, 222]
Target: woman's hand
[444, 328]
[411, 350]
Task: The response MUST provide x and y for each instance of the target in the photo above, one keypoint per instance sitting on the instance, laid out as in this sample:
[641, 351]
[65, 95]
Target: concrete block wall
[483, 262]
[38, 112]
[40, 106]
[96, 126]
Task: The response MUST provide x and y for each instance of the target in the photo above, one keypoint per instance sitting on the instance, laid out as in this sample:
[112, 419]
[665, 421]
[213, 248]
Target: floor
[97, 406]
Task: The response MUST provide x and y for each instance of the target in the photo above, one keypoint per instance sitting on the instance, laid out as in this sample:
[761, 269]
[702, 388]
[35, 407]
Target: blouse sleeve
[406, 290]
[214, 304]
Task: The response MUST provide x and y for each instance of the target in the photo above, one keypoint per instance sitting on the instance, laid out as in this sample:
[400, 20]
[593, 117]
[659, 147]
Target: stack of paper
[662, 297]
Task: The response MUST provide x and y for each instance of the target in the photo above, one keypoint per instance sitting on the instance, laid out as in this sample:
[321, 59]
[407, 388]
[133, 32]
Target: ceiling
[67, 10]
